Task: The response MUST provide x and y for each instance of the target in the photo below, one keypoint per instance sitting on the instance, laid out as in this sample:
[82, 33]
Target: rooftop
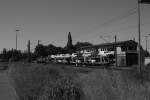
[128, 42]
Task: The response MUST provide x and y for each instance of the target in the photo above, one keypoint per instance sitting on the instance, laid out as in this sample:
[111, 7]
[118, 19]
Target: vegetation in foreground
[38, 82]
[56, 82]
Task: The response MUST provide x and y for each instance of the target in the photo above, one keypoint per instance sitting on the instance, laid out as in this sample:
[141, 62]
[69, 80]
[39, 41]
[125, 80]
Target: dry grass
[48, 81]
[115, 85]
[38, 82]
[3, 65]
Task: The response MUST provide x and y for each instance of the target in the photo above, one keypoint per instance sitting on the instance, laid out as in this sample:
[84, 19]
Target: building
[126, 52]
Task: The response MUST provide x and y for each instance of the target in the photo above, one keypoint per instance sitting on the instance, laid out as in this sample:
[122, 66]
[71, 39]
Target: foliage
[39, 82]
[62, 89]
[82, 44]
[11, 54]
[55, 82]
[69, 48]
[51, 49]
[4, 54]
[40, 50]
[69, 43]
[44, 50]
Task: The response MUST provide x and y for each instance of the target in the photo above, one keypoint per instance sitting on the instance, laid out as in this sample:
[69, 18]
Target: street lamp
[17, 30]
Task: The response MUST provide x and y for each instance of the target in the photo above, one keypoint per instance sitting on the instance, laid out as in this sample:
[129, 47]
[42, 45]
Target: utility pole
[134, 39]
[29, 54]
[39, 42]
[116, 51]
[146, 43]
[139, 35]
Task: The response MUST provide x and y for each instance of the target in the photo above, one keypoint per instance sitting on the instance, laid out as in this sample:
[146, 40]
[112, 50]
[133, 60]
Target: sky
[87, 20]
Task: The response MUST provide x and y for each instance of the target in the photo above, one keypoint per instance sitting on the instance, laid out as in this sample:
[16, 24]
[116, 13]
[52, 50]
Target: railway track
[108, 67]
[111, 67]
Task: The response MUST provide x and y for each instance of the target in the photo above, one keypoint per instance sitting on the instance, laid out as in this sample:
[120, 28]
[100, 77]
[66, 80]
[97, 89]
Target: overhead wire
[114, 19]
[128, 27]
[120, 17]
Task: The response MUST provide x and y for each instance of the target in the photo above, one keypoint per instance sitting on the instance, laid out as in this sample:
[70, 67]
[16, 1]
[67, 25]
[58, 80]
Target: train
[86, 59]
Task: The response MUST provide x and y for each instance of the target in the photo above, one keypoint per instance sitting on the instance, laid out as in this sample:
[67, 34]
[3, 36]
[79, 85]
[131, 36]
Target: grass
[3, 65]
[38, 82]
[115, 85]
[56, 82]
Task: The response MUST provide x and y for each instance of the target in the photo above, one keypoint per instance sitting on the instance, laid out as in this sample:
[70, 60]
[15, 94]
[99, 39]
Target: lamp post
[17, 30]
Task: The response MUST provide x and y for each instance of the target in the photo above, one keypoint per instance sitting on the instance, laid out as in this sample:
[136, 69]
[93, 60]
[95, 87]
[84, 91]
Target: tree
[4, 54]
[40, 50]
[69, 46]
[15, 55]
[51, 49]
[60, 50]
[82, 44]
[4, 51]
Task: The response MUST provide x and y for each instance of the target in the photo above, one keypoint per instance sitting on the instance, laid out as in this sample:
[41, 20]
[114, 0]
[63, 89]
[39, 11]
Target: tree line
[42, 50]
[45, 50]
